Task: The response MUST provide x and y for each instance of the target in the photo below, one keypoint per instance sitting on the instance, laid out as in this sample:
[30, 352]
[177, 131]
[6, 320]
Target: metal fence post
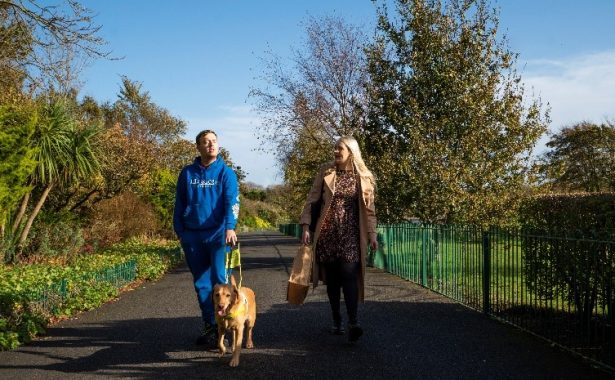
[486, 272]
[63, 289]
[424, 239]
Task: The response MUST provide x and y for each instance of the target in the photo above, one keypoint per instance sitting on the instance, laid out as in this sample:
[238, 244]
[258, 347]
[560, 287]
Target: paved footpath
[410, 333]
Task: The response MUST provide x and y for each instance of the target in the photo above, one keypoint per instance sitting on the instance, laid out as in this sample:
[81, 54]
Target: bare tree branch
[49, 44]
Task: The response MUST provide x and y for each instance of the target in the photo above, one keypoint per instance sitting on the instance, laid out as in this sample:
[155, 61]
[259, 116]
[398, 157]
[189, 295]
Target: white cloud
[236, 129]
[580, 88]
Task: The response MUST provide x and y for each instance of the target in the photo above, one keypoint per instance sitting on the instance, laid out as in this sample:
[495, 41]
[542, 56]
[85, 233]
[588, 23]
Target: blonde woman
[344, 230]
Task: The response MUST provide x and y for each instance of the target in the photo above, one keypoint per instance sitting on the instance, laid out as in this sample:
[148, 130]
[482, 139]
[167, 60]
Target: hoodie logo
[203, 183]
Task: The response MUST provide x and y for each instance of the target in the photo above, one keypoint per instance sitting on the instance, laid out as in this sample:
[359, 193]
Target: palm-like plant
[65, 155]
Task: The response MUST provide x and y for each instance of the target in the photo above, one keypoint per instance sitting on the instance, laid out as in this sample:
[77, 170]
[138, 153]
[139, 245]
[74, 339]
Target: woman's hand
[306, 238]
[373, 242]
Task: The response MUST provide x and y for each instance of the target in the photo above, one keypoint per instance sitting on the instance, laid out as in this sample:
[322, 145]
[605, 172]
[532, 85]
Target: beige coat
[367, 217]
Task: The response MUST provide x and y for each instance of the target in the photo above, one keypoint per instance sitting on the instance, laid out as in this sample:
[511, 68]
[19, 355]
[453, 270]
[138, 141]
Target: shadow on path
[410, 333]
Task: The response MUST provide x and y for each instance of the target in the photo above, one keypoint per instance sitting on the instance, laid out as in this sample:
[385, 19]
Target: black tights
[343, 275]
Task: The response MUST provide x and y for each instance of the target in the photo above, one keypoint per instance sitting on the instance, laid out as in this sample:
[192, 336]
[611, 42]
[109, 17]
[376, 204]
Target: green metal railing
[292, 229]
[560, 288]
[52, 296]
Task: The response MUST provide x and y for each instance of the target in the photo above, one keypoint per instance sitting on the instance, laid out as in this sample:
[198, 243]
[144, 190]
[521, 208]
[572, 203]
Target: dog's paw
[234, 362]
[221, 352]
[249, 345]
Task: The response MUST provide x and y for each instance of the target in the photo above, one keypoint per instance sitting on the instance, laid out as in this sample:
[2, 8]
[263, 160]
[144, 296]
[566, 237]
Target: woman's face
[341, 154]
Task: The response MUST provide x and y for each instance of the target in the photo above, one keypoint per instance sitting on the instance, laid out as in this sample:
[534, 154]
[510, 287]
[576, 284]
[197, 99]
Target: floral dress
[339, 234]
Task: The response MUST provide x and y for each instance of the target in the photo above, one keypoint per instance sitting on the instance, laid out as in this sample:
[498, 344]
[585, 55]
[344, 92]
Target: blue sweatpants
[206, 259]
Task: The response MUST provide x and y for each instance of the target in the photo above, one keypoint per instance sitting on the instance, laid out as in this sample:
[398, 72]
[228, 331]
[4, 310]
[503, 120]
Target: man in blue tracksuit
[206, 211]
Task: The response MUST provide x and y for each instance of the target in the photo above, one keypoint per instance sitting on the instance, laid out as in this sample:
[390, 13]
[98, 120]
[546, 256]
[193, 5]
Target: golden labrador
[235, 309]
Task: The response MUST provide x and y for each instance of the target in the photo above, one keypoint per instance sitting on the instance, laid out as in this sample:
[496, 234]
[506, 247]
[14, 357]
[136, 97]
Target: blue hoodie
[207, 199]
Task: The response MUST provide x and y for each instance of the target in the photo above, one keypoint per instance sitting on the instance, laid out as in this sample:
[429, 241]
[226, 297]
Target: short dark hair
[203, 133]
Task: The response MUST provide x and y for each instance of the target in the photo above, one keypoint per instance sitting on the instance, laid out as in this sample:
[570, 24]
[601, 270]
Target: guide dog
[235, 309]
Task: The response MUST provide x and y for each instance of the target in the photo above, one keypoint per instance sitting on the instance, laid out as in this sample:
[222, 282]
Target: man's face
[208, 146]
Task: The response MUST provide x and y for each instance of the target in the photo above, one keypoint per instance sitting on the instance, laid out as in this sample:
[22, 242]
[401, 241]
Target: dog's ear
[235, 294]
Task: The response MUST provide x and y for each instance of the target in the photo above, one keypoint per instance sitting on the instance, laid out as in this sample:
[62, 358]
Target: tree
[160, 193]
[15, 47]
[65, 154]
[450, 130]
[300, 167]
[178, 153]
[44, 46]
[309, 105]
[17, 162]
[138, 139]
[141, 118]
[581, 158]
[124, 161]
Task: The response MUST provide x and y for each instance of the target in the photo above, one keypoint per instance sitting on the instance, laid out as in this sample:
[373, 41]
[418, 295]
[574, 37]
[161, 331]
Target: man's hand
[231, 237]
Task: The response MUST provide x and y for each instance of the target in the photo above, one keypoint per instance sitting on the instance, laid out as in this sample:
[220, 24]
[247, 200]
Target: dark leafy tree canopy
[449, 131]
[580, 158]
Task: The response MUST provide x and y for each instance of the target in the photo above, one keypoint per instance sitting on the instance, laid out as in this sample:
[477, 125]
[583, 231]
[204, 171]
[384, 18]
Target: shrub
[54, 236]
[160, 193]
[578, 214]
[120, 218]
[30, 295]
[577, 263]
[260, 215]
[256, 222]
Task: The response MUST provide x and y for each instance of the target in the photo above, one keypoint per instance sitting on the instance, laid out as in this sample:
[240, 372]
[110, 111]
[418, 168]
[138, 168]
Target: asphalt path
[410, 333]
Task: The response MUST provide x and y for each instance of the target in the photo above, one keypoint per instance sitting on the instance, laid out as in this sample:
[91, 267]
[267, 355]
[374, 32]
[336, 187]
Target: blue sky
[199, 59]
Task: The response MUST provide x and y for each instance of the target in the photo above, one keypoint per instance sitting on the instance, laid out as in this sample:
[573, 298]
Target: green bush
[259, 215]
[160, 193]
[20, 321]
[577, 263]
[256, 222]
[31, 294]
[17, 125]
[153, 259]
[581, 215]
[55, 235]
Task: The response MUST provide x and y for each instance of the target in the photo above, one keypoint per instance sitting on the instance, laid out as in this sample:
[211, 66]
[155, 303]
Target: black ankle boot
[337, 329]
[354, 332]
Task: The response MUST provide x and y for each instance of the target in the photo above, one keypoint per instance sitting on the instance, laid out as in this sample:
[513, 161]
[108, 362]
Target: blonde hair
[357, 160]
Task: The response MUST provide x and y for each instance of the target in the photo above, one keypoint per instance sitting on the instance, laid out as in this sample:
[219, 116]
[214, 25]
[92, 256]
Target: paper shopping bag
[300, 275]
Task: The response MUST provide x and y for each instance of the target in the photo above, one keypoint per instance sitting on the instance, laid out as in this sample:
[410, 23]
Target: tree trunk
[83, 200]
[65, 202]
[22, 211]
[37, 209]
